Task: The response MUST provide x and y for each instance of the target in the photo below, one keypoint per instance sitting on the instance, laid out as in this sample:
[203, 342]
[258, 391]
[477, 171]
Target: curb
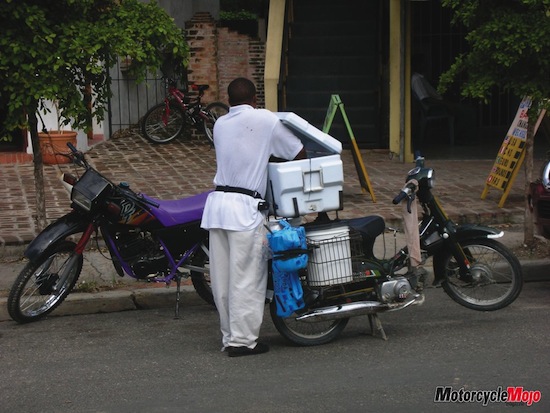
[150, 298]
[118, 300]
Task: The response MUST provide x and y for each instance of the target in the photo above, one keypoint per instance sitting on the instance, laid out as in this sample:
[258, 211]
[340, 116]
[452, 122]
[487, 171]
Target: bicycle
[166, 121]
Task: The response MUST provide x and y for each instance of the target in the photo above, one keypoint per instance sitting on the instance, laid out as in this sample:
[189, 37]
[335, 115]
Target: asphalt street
[146, 361]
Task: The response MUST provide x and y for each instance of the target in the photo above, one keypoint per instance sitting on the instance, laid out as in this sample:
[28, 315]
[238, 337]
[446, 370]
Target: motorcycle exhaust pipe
[352, 310]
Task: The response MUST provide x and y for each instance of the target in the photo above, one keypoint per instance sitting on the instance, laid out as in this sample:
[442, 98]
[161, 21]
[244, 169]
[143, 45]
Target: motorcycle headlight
[430, 178]
[424, 176]
[89, 190]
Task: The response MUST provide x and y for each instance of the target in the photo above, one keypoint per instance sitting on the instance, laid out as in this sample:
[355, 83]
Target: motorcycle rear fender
[72, 223]
[463, 233]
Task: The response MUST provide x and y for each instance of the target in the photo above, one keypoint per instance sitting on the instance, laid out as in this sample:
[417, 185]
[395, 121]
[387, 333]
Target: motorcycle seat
[179, 211]
[370, 227]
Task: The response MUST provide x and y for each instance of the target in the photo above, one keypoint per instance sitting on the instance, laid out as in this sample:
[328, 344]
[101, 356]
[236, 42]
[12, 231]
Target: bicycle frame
[179, 97]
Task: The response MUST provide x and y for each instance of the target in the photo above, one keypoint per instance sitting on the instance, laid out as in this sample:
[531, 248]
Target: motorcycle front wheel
[495, 279]
[44, 283]
[306, 333]
[157, 127]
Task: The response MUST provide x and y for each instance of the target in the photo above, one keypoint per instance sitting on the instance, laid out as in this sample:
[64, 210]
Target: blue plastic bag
[289, 249]
[289, 295]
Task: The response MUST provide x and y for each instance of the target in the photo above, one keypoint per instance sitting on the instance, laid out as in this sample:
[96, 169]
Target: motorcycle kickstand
[376, 327]
[178, 290]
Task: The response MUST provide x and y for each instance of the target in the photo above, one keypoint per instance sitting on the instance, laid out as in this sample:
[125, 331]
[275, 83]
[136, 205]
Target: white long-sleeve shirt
[244, 139]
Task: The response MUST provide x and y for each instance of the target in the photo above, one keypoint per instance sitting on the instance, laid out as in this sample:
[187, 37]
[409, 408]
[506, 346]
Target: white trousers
[238, 272]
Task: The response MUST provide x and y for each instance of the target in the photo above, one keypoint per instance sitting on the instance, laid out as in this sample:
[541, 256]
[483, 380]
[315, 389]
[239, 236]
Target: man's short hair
[241, 91]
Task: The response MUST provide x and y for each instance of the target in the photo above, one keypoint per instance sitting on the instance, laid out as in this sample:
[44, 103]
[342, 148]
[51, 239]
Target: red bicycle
[166, 121]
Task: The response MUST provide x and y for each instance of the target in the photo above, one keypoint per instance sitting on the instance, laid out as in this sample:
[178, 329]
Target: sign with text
[512, 152]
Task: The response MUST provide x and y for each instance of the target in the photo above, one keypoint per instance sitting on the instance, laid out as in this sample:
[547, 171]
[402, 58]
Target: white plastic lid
[315, 141]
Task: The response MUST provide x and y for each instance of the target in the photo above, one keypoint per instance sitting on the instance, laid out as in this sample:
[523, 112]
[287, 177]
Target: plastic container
[306, 186]
[330, 263]
[310, 185]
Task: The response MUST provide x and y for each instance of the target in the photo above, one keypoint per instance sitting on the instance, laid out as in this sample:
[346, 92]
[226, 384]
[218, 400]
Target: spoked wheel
[161, 127]
[200, 274]
[306, 333]
[495, 278]
[214, 111]
[44, 283]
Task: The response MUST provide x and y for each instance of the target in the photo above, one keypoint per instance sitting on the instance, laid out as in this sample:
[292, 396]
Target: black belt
[238, 190]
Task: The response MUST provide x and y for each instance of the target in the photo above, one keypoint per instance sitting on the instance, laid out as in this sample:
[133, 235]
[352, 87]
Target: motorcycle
[539, 201]
[471, 266]
[155, 240]
[147, 239]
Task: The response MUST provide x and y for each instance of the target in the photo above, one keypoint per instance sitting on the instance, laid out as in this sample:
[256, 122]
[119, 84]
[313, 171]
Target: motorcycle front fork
[432, 244]
[84, 239]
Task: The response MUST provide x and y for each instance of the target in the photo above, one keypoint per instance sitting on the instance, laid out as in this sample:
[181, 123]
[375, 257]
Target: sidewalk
[184, 168]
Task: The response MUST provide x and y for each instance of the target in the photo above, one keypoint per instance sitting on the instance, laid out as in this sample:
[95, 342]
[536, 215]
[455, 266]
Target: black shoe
[245, 351]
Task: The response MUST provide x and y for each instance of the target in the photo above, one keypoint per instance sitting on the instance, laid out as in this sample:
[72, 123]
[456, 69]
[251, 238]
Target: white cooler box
[309, 185]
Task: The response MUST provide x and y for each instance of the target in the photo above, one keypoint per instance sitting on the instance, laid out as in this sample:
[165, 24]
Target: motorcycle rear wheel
[306, 333]
[43, 284]
[495, 279]
[201, 280]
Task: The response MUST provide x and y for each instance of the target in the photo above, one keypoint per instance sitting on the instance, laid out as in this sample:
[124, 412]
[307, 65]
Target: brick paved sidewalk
[184, 168]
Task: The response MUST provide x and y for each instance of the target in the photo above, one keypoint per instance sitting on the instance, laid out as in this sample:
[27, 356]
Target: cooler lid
[316, 142]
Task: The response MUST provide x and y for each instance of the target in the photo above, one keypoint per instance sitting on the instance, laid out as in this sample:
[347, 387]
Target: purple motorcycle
[149, 239]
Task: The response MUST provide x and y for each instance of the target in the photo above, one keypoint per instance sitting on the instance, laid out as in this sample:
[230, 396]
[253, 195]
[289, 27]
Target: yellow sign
[511, 153]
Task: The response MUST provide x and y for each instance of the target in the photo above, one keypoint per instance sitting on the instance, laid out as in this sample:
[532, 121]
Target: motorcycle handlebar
[407, 190]
[79, 157]
[402, 195]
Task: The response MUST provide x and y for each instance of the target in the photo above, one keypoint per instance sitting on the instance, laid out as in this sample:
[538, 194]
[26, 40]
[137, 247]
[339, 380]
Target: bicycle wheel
[306, 333]
[201, 275]
[495, 278]
[158, 128]
[43, 284]
[214, 111]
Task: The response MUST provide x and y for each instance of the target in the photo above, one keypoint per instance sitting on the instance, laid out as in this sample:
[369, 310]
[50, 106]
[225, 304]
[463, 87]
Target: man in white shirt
[234, 214]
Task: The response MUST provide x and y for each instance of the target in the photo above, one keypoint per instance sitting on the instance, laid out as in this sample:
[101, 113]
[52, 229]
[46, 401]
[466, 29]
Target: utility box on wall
[309, 185]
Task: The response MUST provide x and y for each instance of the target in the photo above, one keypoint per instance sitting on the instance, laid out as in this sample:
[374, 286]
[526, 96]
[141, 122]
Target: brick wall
[219, 55]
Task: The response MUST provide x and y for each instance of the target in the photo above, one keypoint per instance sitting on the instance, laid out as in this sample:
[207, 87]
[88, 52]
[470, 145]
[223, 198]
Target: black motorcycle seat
[370, 227]
[179, 211]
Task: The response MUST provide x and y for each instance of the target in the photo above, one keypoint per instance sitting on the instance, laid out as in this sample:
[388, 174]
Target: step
[328, 65]
[328, 28]
[306, 10]
[363, 82]
[306, 98]
[332, 46]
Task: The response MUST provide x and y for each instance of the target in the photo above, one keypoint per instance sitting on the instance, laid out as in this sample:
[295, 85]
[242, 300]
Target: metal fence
[131, 100]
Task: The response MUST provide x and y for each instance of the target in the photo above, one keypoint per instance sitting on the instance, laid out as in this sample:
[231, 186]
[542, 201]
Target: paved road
[146, 361]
